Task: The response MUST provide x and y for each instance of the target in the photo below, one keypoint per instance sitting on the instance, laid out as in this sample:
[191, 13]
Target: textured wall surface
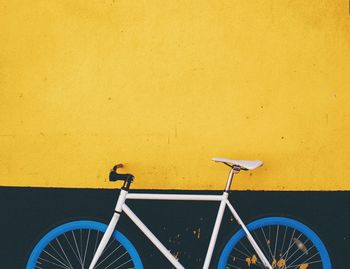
[166, 85]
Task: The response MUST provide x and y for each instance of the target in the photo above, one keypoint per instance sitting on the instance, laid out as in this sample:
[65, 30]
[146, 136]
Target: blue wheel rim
[276, 221]
[81, 225]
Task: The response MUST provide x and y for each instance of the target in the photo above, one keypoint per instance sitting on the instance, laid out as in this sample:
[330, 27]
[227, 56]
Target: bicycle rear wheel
[73, 245]
[286, 243]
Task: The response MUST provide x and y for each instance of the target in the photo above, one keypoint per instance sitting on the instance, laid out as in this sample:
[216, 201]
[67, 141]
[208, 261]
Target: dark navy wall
[184, 227]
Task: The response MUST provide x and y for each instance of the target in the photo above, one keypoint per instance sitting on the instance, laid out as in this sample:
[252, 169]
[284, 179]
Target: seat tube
[215, 231]
[110, 229]
[229, 179]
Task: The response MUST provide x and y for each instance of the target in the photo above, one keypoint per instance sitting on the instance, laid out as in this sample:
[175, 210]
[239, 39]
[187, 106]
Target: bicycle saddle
[245, 164]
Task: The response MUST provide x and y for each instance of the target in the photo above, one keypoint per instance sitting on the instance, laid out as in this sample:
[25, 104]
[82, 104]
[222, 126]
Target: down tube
[111, 226]
[152, 237]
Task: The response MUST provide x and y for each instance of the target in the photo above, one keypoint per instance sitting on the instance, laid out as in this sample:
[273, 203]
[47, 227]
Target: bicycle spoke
[86, 247]
[296, 251]
[246, 255]
[290, 264]
[245, 248]
[310, 257]
[276, 240]
[65, 265]
[284, 238]
[298, 265]
[116, 260]
[234, 258]
[123, 264]
[107, 247]
[73, 246]
[260, 244]
[237, 258]
[307, 260]
[301, 255]
[300, 252]
[82, 242]
[76, 245]
[64, 253]
[64, 260]
[76, 255]
[81, 246]
[233, 266]
[268, 245]
[56, 264]
[98, 233]
[250, 253]
[292, 246]
[108, 257]
[289, 246]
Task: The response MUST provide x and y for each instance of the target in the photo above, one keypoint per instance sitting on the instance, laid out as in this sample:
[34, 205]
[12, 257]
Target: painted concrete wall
[166, 85]
[184, 228]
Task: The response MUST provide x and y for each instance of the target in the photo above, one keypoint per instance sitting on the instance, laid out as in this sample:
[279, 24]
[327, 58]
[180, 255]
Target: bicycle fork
[110, 229]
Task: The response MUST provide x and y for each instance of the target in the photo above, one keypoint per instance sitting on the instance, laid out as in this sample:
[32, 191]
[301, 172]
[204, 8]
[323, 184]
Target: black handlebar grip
[114, 176]
[119, 165]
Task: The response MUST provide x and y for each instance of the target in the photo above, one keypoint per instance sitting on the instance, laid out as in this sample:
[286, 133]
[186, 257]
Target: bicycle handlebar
[114, 176]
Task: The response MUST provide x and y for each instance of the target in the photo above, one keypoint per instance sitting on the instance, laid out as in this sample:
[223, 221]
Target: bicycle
[273, 242]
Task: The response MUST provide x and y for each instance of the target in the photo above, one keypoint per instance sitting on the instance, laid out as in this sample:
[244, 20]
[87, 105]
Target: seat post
[234, 170]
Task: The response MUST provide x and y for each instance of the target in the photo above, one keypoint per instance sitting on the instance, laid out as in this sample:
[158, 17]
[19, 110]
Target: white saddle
[246, 164]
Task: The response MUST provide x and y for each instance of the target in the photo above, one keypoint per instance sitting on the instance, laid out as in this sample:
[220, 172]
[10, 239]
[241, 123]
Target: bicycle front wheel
[286, 243]
[73, 245]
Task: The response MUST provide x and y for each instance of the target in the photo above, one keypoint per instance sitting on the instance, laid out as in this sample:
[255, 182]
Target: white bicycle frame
[223, 199]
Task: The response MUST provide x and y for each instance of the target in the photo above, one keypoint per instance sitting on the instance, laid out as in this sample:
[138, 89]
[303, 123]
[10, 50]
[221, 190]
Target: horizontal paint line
[170, 191]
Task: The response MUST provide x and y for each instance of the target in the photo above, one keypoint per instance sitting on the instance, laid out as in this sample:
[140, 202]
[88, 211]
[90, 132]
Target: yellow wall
[166, 85]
